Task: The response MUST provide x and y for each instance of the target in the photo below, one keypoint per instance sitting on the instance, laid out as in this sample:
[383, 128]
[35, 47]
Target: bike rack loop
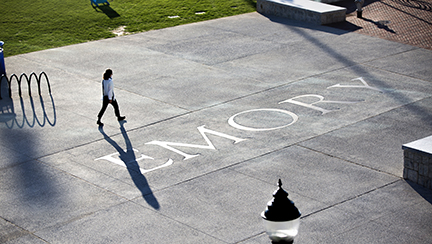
[28, 79]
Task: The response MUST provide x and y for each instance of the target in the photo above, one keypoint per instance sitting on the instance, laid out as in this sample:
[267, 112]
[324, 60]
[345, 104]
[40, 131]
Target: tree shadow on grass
[251, 3]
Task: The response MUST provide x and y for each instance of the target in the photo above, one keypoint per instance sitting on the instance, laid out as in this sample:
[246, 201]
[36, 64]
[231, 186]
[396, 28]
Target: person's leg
[117, 110]
[102, 111]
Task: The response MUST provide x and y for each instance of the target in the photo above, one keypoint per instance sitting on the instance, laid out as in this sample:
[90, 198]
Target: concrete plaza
[217, 112]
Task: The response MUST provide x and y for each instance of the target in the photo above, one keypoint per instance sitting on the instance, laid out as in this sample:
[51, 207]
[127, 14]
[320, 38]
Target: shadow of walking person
[130, 161]
[382, 24]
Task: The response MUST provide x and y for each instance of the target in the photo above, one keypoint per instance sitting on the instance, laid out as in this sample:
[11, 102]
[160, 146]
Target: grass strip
[33, 25]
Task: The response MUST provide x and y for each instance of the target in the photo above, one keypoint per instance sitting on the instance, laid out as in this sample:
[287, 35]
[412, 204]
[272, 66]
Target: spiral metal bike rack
[9, 104]
[28, 79]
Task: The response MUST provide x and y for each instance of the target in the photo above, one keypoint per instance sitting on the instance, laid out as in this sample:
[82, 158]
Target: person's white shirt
[108, 86]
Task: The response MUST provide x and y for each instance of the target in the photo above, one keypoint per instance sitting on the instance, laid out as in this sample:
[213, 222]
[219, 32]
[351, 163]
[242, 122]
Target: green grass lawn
[32, 25]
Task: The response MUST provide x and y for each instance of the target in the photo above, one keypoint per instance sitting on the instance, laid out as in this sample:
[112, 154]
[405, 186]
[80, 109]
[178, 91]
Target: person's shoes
[99, 123]
[121, 118]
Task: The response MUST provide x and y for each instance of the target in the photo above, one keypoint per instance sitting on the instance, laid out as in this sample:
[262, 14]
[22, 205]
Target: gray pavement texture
[217, 112]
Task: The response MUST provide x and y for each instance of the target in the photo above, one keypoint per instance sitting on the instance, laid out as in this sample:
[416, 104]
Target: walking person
[108, 97]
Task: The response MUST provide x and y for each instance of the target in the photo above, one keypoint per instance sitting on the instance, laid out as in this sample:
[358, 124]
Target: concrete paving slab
[40, 141]
[321, 230]
[36, 196]
[303, 59]
[95, 57]
[336, 178]
[364, 215]
[12, 156]
[132, 222]
[419, 61]
[10, 231]
[223, 87]
[371, 234]
[217, 49]
[217, 111]
[370, 205]
[27, 239]
[402, 210]
[360, 140]
[367, 233]
[118, 182]
[202, 204]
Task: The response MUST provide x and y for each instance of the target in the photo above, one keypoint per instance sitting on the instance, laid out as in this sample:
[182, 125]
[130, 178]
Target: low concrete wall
[329, 1]
[418, 162]
[303, 10]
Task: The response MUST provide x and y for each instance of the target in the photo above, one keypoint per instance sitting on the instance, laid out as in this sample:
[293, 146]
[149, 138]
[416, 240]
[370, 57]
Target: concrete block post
[418, 162]
[2, 63]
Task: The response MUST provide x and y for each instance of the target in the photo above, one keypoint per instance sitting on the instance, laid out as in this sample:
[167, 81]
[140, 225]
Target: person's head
[107, 74]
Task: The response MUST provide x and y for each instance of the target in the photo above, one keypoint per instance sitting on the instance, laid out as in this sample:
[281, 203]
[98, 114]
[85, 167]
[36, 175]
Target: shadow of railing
[8, 113]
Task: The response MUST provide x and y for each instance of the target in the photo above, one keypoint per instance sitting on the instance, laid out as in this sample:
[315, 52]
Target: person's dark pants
[105, 105]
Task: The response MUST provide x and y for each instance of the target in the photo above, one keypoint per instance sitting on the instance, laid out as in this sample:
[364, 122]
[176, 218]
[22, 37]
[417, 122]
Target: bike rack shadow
[7, 109]
[105, 8]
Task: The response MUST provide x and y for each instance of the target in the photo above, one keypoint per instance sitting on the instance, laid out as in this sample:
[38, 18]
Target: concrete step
[303, 10]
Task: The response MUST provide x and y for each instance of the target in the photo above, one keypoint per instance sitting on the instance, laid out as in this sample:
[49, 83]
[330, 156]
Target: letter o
[241, 127]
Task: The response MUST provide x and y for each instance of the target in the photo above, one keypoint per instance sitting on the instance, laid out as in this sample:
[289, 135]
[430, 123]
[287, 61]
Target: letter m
[203, 131]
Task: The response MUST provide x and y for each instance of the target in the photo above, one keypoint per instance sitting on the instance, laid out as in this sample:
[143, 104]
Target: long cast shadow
[108, 11]
[129, 159]
[381, 24]
[424, 192]
[422, 112]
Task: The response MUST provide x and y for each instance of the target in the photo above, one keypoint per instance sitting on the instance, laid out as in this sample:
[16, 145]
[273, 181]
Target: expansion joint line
[24, 232]
[348, 161]
[349, 199]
